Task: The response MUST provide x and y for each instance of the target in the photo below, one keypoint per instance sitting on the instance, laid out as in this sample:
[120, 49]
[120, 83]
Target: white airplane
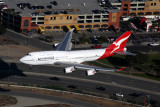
[73, 59]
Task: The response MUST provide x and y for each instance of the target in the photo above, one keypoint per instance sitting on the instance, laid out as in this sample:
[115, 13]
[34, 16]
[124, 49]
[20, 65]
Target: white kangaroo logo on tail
[119, 43]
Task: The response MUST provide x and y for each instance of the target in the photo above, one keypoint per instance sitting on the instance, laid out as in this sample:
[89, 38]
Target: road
[111, 82]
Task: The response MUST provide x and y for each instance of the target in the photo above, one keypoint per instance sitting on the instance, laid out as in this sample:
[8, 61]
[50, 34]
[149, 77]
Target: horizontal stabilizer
[124, 53]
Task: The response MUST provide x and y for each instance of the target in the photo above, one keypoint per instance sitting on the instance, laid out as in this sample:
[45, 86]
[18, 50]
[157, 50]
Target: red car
[97, 46]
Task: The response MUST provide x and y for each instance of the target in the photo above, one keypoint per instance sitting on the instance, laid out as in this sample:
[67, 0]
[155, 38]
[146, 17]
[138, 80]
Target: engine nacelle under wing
[91, 72]
[69, 69]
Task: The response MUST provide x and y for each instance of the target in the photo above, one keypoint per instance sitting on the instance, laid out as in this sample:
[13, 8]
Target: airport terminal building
[35, 15]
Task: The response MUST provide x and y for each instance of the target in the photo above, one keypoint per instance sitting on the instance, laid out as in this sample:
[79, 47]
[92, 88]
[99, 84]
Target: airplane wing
[66, 43]
[82, 66]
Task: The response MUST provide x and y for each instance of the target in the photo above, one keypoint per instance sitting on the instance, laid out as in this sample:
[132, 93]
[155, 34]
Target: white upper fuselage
[50, 57]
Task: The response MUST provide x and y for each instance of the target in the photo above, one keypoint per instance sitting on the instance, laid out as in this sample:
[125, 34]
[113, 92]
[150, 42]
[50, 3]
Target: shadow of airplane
[4, 90]
[9, 69]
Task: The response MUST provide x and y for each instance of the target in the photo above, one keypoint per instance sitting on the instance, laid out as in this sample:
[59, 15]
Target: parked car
[119, 94]
[153, 44]
[72, 86]
[55, 78]
[96, 46]
[101, 88]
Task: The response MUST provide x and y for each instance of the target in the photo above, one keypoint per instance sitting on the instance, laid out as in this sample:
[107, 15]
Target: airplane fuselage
[50, 57]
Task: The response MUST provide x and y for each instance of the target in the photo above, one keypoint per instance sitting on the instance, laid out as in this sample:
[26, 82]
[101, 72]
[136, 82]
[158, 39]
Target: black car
[72, 86]
[101, 88]
[55, 78]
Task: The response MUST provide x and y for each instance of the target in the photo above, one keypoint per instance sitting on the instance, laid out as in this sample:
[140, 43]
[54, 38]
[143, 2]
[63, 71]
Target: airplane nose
[22, 59]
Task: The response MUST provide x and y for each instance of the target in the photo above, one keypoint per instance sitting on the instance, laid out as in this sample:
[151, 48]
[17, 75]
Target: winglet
[72, 30]
[122, 68]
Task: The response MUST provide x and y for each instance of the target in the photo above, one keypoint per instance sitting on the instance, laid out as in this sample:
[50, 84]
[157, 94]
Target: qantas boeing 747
[73, 59]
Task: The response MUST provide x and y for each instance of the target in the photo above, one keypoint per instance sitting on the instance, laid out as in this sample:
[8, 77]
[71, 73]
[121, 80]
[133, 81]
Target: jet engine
[55, 45]
[91, 72]
[124, 49]
[69, 69]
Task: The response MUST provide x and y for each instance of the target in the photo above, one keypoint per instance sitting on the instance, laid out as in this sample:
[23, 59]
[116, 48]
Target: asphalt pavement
[41, 75]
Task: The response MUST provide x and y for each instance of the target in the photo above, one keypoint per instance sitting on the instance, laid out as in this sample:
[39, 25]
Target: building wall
[152, 5]
[26, 24]
[85, 26]
[114, 19]
[125, 8]
[60, 19]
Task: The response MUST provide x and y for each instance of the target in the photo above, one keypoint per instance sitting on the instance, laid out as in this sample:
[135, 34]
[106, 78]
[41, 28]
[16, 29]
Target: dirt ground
[12, 53]
[7, 100]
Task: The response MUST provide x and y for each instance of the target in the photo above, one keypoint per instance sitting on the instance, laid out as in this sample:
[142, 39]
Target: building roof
[71, 6]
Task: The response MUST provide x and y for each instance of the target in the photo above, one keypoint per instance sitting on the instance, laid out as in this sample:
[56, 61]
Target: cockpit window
[28, 54]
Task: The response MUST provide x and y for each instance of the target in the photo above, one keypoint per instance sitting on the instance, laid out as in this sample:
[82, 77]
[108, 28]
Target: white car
[154, 44]
[119, 94]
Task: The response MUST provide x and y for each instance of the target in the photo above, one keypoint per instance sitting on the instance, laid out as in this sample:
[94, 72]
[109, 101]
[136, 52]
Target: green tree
[2, 29]
[136, 60]
[84, 39]
[102, 39]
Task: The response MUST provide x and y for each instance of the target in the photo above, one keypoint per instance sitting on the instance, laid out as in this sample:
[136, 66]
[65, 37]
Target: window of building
[80, 17]
[72, 26]
[96, 20]
[89, 21]
[133, 4]
[124, 14]
[104, 25]
[141, 4]
[88, 26]
[140, 13]
[67, 17]
[156, 13]
[89, 17]
[26, 23]
[140, 8]
[151, 4]
[97, 16]
[125, 9]
[48, 27]
[81, 21]
[132, 14]
[104, 16]
[62, 27]
[148, 13]
[81, 26]
[40, 22]
[155, 4]
[52, 18]
[104, 20]
[125, 5]
[33, 18]
[41, 18]
[95, 26]
[56, 27]
[134, 9]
